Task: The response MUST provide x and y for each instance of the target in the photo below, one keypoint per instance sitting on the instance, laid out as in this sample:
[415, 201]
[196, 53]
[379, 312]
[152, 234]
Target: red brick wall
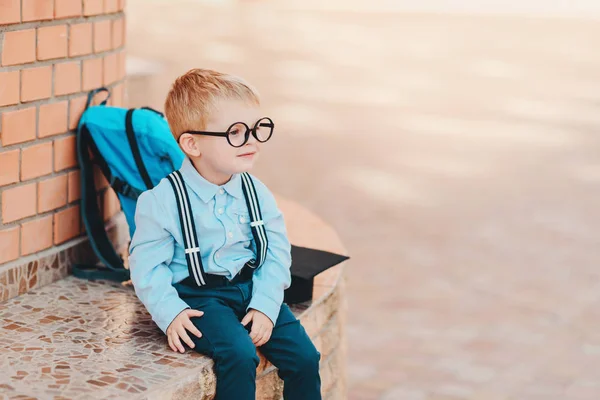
[51, 53]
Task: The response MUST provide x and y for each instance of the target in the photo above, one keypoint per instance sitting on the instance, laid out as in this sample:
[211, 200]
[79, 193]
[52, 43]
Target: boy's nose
[251, 140]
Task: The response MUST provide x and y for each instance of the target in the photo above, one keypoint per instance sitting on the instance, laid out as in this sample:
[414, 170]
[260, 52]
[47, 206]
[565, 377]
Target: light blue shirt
[157, 256]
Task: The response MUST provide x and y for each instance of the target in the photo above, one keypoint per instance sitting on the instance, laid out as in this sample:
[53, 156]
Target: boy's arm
[151, 250]
[273, 277]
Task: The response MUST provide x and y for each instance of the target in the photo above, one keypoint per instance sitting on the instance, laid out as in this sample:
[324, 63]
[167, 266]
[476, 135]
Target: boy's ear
[189, 145]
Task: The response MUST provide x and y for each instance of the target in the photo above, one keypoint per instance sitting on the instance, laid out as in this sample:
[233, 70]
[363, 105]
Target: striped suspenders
[190, 238]
[257, 225]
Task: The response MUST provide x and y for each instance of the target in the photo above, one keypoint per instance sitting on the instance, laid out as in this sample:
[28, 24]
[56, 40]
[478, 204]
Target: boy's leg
[293, 353]
[227, 342]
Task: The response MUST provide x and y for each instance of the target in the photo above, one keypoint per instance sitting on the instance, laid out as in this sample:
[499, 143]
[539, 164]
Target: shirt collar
[205, 189]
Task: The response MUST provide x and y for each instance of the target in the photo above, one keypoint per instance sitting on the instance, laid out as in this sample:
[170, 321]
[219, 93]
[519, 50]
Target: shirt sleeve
[273, 277]
[150, 253]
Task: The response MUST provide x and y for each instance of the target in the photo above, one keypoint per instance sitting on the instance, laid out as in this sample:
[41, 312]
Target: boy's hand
[262, 327]
[177, 330]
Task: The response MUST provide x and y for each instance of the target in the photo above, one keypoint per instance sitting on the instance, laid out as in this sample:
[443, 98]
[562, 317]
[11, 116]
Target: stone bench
[81, 339]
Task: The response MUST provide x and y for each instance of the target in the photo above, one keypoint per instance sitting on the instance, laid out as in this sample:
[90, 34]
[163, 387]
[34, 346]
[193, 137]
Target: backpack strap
[93, 222]
[93, 93]
[257, 225]
[135, 149]
[188, 227]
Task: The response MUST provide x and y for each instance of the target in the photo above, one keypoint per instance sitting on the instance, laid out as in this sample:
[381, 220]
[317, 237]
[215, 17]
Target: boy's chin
[244, 165]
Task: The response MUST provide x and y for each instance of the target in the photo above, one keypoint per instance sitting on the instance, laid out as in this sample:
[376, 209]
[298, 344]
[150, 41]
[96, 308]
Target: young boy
[222, 295]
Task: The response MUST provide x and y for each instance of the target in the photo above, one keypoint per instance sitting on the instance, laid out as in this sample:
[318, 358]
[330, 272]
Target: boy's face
[215, 152]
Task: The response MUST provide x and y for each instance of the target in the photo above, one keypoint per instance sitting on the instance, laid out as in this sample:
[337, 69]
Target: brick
[111, 204]
[37, 10]
[66, 224]
[117, 95]
[36, 161]
[118, 31]
[74, 186]
[18, 47]
[67, 8]
[10, 82]
[92, 74]
[52, 42]
[52, 193]
[111, 6]
[53, 119]
[67, 78]
[9, 167]
[19, 202]
[36, 83]
[93, 7]
[121, 65]
[115, 203]
[99, 179]
[9, 244]
[102, 36]
[18, 126]
[64, 153]
[124, 38]
[110, 69]
[80, 39]
[76, 107]
[10, 12]
[36, 235]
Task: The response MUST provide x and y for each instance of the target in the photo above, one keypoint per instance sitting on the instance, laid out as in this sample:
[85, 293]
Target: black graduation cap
[306, 264]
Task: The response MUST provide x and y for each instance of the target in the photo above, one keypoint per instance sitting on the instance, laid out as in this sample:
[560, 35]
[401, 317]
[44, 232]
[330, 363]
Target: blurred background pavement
[454, 146]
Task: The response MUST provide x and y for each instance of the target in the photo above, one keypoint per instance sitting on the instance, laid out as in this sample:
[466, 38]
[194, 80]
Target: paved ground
[458, 157]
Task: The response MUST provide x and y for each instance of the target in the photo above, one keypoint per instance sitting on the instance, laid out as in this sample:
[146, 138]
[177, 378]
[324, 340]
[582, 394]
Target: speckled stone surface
[18, 278]
[77, 339]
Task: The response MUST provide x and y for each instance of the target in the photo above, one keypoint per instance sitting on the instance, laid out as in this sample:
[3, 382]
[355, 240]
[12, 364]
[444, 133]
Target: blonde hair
[194, 95]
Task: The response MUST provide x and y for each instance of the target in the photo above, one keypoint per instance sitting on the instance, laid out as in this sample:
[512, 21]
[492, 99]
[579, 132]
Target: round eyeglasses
[238, 133]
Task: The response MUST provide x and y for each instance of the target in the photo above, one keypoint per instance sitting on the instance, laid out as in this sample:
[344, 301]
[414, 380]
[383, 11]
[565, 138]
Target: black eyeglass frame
[261, 122]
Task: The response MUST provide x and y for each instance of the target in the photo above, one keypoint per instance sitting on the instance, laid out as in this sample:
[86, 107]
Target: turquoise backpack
[134, 149]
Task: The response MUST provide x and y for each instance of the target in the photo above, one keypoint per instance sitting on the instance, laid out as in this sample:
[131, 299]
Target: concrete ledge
[81, 339]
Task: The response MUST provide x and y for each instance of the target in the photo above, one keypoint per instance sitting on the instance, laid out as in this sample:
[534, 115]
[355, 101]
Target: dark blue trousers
[227, 342]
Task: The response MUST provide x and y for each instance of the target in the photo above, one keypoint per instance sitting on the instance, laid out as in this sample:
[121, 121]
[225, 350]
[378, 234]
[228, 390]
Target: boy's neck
[210, 174]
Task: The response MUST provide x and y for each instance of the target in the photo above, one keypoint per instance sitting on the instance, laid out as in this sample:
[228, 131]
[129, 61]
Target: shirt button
[220, 211]
[230, 234]
[242, 220]
[221, 191]
[217, 256]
